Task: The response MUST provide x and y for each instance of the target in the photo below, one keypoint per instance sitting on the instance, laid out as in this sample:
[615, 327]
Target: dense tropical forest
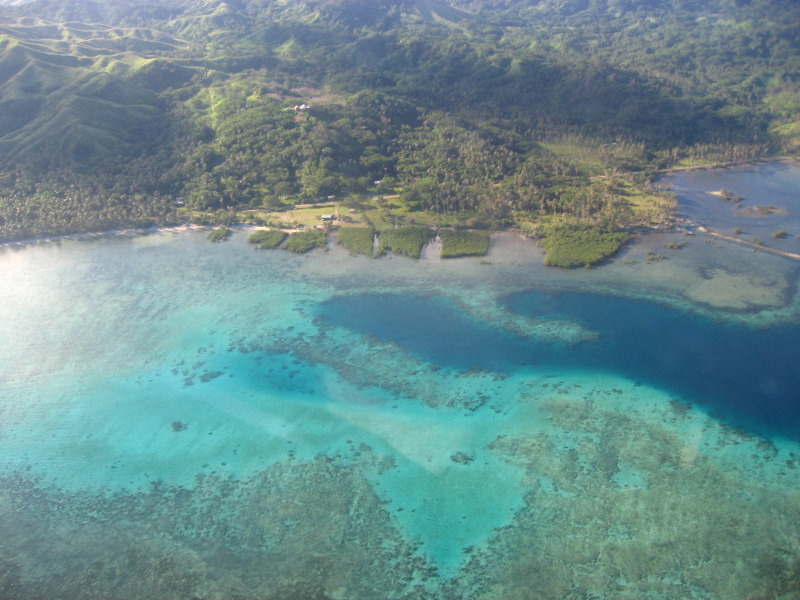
[542, 115]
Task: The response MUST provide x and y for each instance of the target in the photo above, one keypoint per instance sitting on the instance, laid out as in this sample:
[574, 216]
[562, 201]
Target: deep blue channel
[748, 377]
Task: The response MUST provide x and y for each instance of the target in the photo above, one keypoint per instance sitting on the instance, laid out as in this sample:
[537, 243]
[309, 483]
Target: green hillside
[529, 114]
[71, 94]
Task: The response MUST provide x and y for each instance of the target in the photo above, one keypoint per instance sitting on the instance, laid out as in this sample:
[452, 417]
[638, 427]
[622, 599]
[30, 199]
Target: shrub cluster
[219, 234]
[580, 247]
[358, 240]
[464, 243]
[407, 241]
[267, 239]
[305, 241]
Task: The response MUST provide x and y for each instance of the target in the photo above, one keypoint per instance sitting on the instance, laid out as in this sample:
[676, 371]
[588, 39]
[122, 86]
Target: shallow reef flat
[187, 420]
[624, 494]
[722, 289]
[635, 495]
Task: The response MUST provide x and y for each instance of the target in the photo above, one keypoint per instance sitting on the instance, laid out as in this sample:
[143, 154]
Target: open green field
[372, 211]
[596, 157]
[647, 207]
[294, 217]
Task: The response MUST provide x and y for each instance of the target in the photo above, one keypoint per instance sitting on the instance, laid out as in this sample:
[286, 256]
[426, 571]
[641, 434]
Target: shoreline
[635, 231]
[663, 283]
[730, 165]
[89, 235]
[132, 232]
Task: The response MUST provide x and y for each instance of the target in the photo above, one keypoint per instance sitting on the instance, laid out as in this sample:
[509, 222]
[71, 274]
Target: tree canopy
[117, 113]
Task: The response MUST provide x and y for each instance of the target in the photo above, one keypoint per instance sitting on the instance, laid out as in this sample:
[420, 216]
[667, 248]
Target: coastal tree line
[514, 113]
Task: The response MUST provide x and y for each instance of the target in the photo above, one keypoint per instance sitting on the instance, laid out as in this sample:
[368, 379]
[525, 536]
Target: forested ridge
[499, 113]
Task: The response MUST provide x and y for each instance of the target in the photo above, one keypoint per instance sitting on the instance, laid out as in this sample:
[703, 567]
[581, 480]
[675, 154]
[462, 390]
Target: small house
[327, 218]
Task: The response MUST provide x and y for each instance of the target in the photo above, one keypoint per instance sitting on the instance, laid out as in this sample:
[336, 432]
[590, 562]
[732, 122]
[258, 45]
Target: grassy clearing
[407, 241]
[585, 157]
[305, 241]
[464, 243]
[291, 218]
[646, 207]
[267, 239]
[358, 240]
[391, 213]
[566, 247]
[380, 214]
[377, 218]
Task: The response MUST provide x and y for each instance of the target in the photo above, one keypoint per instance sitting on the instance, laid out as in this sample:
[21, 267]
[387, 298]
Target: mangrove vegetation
[357, 240]
[267, 238]
[464, 243]
[301, 242]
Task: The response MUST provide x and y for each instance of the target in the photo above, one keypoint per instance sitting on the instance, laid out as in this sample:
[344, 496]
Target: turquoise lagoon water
[182, 419]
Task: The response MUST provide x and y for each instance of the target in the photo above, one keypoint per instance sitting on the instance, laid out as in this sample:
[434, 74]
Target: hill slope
[514, 111]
